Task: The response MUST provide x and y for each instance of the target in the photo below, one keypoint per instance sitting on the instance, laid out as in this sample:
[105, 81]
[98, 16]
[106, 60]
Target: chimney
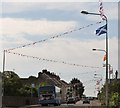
[44, 70]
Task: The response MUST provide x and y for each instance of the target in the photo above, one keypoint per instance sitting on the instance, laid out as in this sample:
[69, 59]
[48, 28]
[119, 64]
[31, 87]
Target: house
[47, 78]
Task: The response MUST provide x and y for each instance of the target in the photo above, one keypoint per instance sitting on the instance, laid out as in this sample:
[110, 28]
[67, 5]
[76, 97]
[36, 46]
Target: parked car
[90, 98]
[71, 100]
[86, 101]
[77, 98]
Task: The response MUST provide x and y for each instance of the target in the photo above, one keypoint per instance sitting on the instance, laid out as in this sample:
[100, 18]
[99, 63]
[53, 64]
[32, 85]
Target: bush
[114, 100]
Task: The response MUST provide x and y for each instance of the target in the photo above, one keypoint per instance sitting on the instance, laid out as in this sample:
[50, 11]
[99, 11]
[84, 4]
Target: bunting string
[51, 60]
[56, 36]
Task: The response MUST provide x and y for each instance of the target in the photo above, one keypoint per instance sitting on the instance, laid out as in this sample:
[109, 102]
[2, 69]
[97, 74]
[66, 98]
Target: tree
[114, 93]
[13, 86]
[27, 91]
[114, 100]
[11, 83]
[77, 87]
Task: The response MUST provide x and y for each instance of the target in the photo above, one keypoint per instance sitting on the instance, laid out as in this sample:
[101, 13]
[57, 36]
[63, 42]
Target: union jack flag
[101, 10]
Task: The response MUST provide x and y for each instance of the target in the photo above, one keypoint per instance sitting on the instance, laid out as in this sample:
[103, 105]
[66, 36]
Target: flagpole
[3, 60]
[109, 72]
[3, 72]
[106, 21]
[107, 99]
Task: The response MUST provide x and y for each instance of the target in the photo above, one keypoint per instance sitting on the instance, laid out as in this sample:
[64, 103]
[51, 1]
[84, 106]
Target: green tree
[27, 91]
[114, 100]
[13, 86]
[77, 86]
[11, 83]
[114, 93]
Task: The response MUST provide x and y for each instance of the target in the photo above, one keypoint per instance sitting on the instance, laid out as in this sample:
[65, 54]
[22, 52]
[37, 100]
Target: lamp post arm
[99, 50]
[94, 13]
[85, 12]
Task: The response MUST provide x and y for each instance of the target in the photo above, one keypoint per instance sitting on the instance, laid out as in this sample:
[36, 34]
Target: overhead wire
[51, 60]
[56, 36]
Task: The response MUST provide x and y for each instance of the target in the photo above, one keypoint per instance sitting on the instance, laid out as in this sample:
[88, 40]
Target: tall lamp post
[3, 72]
[107, 99]
[3, 60]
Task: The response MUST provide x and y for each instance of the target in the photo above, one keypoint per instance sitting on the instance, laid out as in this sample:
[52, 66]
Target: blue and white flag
[101, 30]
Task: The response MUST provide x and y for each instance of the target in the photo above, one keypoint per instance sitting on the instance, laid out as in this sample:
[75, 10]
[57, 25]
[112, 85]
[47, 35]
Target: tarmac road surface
[79, 104]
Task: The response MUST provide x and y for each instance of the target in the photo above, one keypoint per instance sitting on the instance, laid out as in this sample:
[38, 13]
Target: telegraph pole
[3, 72]
[3, 60]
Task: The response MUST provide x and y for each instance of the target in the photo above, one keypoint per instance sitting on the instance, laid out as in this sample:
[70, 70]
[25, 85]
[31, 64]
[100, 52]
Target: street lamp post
[107, 100]
[103, 65]
[3, 72]
[3, 60]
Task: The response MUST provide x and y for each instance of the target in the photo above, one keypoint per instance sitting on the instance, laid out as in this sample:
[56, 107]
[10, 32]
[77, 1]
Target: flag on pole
[110, 69]
[97, 83]
[104, 58]
[101, 10]
[101, 30]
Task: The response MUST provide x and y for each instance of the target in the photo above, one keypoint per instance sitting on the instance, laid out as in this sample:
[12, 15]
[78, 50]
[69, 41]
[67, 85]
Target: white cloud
[78, 7]
[16, 7]
[13, 27]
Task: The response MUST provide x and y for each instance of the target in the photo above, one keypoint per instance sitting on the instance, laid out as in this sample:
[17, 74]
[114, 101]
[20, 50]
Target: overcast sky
[29, 22]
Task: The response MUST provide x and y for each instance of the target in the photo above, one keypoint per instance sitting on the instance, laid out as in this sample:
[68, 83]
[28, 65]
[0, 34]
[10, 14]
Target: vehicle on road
[49, 95]
[77, 98]
[71, 100]
[91, 98]
[86, 101]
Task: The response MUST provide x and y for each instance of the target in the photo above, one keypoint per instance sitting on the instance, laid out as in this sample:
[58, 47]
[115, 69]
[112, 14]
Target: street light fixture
[99, 50]
[106, 51]
[85, 12]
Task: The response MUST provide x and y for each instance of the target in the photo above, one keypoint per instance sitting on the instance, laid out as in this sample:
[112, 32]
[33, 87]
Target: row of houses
[44, 77]
[47, 78]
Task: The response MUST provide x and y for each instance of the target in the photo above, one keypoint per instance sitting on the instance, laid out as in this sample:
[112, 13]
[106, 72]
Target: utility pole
[3, 60]
[3, 73]
[106, 91]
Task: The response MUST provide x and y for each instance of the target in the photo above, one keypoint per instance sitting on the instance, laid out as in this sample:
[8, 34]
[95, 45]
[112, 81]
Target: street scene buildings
[63, 54]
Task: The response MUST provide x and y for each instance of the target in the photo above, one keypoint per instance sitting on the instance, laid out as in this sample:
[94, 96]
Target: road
[79, 104]
[92, 103]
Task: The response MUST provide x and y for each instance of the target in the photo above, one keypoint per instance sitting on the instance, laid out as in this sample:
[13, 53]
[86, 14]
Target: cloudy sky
[28, 22]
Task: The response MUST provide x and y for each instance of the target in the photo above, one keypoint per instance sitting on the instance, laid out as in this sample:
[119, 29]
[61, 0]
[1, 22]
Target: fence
[14, 101]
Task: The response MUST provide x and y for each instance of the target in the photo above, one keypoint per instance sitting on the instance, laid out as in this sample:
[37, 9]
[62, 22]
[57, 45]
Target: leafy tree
[74, 81]
[27, 91]
[114, 100]
[11, 83]
[77, 86]
[114, 93]
[14, 87]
